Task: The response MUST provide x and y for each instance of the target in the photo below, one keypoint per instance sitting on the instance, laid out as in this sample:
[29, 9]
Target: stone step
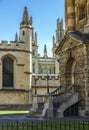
[35, 114]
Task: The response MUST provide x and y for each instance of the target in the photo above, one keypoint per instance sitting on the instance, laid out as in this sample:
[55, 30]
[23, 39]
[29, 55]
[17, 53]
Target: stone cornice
[4, 49]
[5, 89]
[77, 35]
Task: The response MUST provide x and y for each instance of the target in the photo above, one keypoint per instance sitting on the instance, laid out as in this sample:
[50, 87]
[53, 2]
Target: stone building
[45, 65]
[73, 51]
[20, 65]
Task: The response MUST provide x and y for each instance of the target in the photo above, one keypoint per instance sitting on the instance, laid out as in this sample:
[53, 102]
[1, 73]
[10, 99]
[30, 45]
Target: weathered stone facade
[73, 52]
[41, 83]
[19, 59]
[16, 66]
[76, 14]
[45, 65]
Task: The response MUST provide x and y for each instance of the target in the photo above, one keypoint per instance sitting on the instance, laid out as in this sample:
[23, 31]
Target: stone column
[88, 11]
[36, 67]
[35, 102]
[30, 71]
[86, 80]
[30, 96]
[56, 66]
[70, 15]
[50, 107]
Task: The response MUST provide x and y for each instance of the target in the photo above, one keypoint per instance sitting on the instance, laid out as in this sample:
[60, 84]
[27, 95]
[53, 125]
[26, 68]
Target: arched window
[33, 67]
[7, 72]
[23, 33]
[82, 12]
[69, 73]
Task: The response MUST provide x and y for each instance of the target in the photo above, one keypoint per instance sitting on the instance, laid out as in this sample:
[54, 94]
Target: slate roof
[81, 36]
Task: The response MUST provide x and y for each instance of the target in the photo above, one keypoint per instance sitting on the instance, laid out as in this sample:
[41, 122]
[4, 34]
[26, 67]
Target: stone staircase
[36, 113]
[55, 103]
[71, 100]
[63, 100]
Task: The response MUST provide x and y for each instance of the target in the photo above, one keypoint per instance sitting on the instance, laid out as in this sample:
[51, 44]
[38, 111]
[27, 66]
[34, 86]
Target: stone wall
[14, 97]
[21, 68]
[74, 69]
[72, 10]
[18, 94]
[41, 83]
[14, 100]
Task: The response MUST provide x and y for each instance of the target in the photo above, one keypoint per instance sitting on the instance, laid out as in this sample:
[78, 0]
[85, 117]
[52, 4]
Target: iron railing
[45, 125]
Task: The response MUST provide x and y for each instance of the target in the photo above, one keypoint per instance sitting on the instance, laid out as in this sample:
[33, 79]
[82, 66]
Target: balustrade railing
[62, 94]
[62, 90]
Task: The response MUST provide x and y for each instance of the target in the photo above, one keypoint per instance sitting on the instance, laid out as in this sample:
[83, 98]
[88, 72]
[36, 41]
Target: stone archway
[71, 72]
[71, 77]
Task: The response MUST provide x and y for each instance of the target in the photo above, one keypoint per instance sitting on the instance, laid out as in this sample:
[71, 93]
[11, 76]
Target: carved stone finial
[16, 37]
[45, 51]
[25, 16]
[30, 21]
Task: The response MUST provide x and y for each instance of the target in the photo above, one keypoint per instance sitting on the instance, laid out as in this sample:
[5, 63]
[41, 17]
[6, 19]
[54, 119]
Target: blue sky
[44, 13]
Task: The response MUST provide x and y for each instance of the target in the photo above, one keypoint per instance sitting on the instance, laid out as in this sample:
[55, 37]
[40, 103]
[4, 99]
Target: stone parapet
[42, 83]
[12, 45]
[41, 80]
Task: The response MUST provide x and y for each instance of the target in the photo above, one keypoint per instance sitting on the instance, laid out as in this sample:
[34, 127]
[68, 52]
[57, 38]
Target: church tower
[59, 35]
[26, 37]
[59, 31]
[34, 53]
[26, 30]
[56, 41]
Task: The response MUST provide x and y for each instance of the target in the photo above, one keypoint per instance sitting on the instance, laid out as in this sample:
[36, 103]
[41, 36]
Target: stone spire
[26, 29]
[45, 51]
[25, 19]
[30, 20]
[59, 31]
[54, 41]
[16, 37]
[59, 24]
[35, 38]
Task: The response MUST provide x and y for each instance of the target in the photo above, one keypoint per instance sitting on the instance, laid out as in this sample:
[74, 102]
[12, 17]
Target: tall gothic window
[82, 12]
[7, 72]
[33, 67]
[33, 53]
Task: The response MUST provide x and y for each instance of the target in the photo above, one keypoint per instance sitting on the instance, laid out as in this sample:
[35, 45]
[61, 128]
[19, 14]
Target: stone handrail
[56, 91]
[63, 94]
[57, 95]
[63, 91]
[41, 98]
